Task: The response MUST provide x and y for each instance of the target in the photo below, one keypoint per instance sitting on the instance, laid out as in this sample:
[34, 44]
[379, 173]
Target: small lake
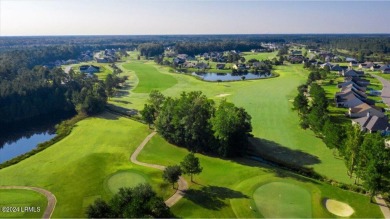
[229, 77]
[22, 137]
[23, 145]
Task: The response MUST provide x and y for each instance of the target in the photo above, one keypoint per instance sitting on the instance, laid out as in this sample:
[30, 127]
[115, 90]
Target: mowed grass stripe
[19, 199]
[149, 77]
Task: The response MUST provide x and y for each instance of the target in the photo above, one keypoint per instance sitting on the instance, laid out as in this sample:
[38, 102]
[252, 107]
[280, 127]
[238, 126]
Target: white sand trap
[339, 208]
[223, 95]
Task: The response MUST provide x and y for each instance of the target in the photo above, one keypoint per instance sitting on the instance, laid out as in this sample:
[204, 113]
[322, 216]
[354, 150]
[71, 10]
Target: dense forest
[195, 48]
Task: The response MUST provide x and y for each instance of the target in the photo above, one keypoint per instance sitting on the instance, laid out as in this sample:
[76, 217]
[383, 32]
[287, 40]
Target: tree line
[195, 122]
[365, 154]
[195, 48]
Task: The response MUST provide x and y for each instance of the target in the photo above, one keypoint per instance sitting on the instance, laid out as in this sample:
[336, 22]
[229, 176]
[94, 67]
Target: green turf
[124, 179]
[76, 168]
[19, 199]
[149, 78]
[225, 187]
[269, 102]
[283, 200]
[259, 56]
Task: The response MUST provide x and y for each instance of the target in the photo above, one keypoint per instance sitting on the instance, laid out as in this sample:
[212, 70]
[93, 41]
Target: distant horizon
[184, 34]
[170, 17]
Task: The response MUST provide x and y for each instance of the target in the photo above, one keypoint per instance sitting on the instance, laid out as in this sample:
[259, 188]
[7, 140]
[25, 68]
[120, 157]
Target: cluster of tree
[283, 51]
[190, 166]
[138, 202]
[41, 91]
[150, 49]
[194, 122]
[365, 155]
[112, 82]
[234, 57]
[194, 48]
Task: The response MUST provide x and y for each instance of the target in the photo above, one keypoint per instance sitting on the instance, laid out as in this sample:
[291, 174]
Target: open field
[19, 199]
[225, 188]
[260, 55]
[77, 169]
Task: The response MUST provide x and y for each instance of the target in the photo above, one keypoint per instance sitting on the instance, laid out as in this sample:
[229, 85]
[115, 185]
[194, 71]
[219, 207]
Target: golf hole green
[124, 179]
[283, 200]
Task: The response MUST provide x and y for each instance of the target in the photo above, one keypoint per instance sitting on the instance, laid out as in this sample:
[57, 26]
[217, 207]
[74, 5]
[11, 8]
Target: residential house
[386, 71]
[353, 84]
[336, 68]
[383, 67]
[366, 65]
[348, 59]
[90, 69]
[375, 67]
[348, 101]
[353, 64]
[351, 73]
[371, 123]
[296, 53]
[201, 65]
[362, 110]
[359, 81]
[189, 65]
[220, 66]
[327, 64]
[239, 66]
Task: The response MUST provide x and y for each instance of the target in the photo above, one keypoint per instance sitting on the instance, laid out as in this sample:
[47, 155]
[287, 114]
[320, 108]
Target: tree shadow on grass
[271, 150]
[124, 111]
[212, 197]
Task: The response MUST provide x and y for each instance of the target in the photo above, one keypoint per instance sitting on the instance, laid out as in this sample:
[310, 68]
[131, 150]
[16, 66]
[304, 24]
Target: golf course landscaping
[94, 160]
[19, 199]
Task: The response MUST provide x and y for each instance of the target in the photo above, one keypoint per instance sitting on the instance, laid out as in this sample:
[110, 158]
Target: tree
[301, 104]
[99, 209]
[172, 174]
[374, 163]
[333, 134]
[231, 126]
[351, 150]
[191, 165]
[138, 202]
[148, 114]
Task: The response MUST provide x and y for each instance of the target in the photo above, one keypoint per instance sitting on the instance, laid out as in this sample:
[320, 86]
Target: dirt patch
[222, 95]
[338, 208]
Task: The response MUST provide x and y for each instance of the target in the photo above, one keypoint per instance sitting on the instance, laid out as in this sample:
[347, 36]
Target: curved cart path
[183, 185]
[51, 199]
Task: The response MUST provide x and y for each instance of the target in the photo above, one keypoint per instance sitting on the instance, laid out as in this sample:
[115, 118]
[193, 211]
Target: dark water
[229, 77]
[20, 138]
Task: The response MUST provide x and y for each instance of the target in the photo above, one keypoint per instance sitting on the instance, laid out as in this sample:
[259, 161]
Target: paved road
[386, 89]
[183, 185]
[51, 199]
[68, 68]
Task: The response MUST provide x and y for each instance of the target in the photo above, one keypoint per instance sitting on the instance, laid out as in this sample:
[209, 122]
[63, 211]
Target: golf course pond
[209, 76]
[21, 138]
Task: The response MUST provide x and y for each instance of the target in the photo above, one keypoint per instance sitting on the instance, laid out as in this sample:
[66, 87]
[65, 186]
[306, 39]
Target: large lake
[229, 77]
[25, 136]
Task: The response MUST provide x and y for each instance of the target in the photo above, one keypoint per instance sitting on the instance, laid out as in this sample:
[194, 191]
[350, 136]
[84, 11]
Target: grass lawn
[225, 188]
[19, 199]
[259, 55]
[269, 102]
[125, 178]
[77, 169]
[149, 78]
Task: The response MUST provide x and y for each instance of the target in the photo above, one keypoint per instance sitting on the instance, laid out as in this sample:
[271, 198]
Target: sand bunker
[223, 95]
[338, 208]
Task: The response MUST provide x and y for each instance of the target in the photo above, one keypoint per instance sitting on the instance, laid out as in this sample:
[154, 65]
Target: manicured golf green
[75, 169]
[124, 179]
[18, 199]
[283, 200]
[225, 188]
[149, 78]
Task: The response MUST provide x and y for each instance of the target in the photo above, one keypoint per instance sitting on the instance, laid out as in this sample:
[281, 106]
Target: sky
[148, 17]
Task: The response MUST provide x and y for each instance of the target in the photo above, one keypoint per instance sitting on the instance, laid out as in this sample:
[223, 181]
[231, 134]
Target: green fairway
[283, 200]
[124, 179]
[225, 188]
[18, 199]
[269, 102]
[76, 168]
[149, 78]
[260, 55]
